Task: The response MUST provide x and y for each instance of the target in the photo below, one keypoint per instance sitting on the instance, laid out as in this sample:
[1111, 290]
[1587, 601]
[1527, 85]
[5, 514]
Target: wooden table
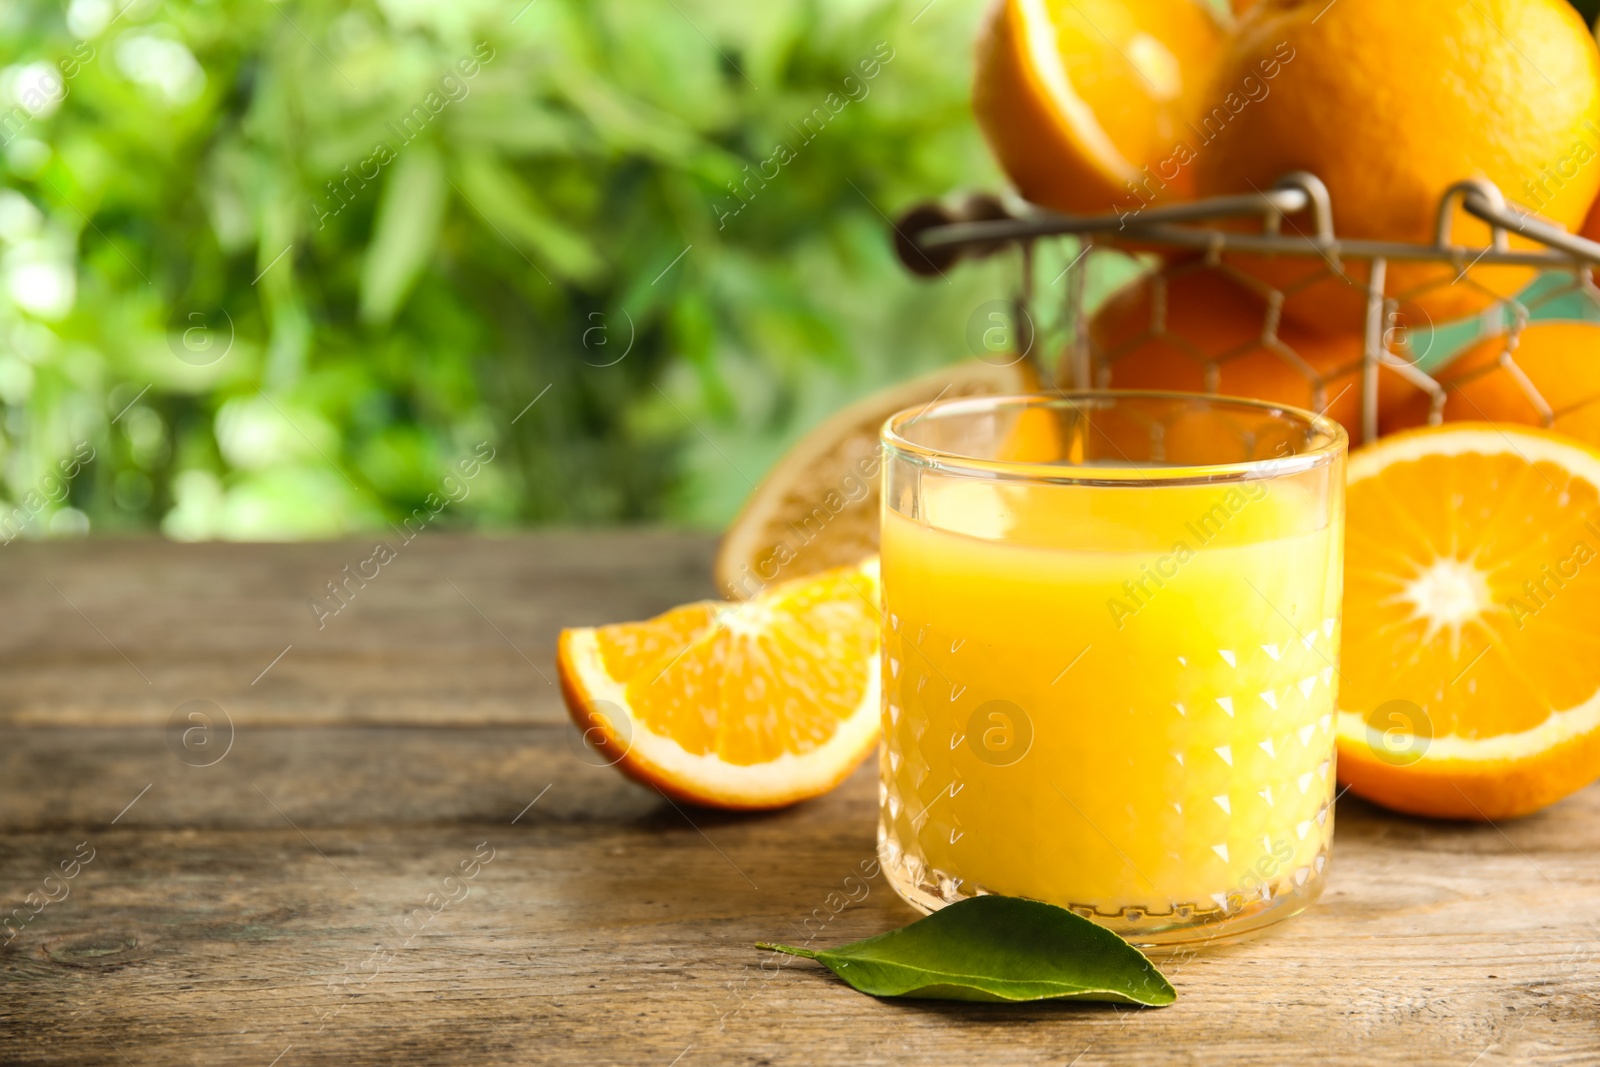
[303, 895]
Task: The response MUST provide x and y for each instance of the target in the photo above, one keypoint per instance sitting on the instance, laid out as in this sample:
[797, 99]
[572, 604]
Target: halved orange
[1086, 103]
[817, 508]
[1471, 655]
[757, 704]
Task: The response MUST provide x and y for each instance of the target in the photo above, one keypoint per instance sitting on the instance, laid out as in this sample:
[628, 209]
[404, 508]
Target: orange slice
[1086, 103]
[1471, 655]
[750, 705]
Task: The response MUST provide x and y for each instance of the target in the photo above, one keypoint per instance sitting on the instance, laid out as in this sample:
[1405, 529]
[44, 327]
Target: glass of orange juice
[1111, 655]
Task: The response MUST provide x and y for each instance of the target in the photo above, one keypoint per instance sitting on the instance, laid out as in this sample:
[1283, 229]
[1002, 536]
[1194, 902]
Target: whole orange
[1192, 328]
[1591, 224]
[1391, 104]
[1546, 372]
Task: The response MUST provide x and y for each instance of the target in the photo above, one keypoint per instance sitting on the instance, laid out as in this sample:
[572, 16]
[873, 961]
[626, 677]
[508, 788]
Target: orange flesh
[1493, 657]
[628, 648]
[751, 682]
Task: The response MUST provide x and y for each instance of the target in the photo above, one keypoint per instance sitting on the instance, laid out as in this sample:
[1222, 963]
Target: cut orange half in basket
[1087, 103]
[1471, 655]
[757, 704]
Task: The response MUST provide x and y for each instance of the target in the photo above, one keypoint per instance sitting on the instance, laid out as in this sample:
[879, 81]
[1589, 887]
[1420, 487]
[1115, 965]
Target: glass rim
[1329, 438]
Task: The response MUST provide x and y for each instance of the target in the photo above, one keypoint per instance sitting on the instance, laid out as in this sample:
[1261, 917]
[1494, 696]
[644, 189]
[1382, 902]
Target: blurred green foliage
[282, 264]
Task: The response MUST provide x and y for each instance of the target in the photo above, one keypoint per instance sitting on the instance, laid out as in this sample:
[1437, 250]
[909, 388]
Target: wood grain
[450, 631]
[275, 905]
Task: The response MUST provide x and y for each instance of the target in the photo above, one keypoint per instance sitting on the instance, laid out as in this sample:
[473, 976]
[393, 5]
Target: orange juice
[1116, 698]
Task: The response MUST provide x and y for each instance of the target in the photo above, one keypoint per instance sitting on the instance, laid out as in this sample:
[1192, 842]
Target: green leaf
[405, 233]
[994, 948]
[513, 213]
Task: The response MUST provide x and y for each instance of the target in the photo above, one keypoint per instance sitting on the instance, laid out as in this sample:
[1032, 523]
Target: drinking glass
[1111, 656]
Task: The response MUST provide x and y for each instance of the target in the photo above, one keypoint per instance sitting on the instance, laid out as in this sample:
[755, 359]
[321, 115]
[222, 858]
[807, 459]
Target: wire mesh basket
[1406, 359]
